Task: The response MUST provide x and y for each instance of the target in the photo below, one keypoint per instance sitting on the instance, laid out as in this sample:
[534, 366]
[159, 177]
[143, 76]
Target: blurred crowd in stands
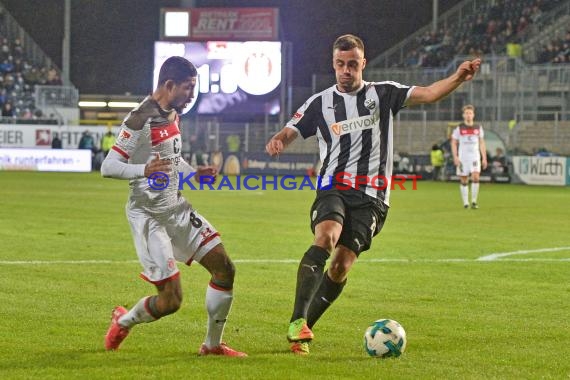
[18, 77]
[497, 27]
[556, 51]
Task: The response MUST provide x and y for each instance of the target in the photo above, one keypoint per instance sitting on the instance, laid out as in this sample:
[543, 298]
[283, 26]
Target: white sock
[138, 314]
[218, 305]
[474, 191]
[464, 193]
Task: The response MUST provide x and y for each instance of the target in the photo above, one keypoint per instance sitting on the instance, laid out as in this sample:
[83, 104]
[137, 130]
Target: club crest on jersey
[124, 134]
[370, 104]
[356, 124]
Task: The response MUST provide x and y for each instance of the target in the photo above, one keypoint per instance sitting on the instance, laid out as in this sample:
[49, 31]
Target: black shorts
[362, 216]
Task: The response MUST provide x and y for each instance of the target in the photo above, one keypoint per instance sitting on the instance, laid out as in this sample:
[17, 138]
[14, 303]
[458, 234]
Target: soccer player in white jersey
[353, 122]
[165, 227]
[469, 155]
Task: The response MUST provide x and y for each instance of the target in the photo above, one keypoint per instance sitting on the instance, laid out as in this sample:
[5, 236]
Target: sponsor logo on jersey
[174, 159]
[124, 134]
[296, 117]
[357, 124]
[159, 134]
[469, 131]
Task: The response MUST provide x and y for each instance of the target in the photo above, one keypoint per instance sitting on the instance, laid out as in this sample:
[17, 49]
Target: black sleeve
[392, 95]
[306, 119]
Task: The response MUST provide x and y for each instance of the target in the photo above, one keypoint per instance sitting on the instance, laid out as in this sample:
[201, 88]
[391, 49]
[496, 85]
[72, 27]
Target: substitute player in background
[353, 121]
[468, 146]
[164, 225]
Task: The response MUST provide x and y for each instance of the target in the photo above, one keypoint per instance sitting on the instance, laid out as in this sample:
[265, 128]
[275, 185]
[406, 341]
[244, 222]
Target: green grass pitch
[67, 257]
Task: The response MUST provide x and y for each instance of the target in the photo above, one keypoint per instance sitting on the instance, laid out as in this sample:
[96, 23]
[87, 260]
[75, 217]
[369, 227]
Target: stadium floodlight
[122, 104]
[176, 24]
[91, 104]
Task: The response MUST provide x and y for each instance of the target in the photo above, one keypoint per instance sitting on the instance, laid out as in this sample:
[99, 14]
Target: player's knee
[230, 271]
[173, 304]
[326, 241]
[169, 304]
[224, 277]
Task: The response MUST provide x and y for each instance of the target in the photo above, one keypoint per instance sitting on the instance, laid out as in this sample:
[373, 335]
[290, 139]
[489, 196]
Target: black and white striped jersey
[355, 134]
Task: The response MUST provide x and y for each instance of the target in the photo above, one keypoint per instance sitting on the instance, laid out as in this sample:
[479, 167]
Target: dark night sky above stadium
[112, 40]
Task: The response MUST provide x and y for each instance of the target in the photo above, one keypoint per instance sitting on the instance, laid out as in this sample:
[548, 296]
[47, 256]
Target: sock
[474, 191]
[309, 276]
[218, 304]
[464, 193]
[140, 313]
[327, 293]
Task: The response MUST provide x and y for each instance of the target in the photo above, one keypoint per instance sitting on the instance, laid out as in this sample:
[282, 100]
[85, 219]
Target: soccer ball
[385, 338]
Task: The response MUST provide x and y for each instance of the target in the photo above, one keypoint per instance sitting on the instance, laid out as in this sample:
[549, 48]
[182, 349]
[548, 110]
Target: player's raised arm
[440, 89]
[280, 141]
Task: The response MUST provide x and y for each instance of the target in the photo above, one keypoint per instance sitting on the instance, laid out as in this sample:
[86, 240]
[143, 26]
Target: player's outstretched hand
[274, 147]
[157, 165]
[209, 172]
[466, 71]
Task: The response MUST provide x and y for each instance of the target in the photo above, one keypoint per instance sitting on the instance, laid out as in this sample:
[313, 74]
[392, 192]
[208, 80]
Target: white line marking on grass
[51, 262]
[495, 256]
[274, 261]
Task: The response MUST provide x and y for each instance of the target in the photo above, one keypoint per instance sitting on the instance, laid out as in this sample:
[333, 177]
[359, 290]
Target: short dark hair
[348, 42]
[177, 69]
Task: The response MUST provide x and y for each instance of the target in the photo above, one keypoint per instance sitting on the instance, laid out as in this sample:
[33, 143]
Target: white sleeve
[116, 163]
[455, 134]
[116, 166]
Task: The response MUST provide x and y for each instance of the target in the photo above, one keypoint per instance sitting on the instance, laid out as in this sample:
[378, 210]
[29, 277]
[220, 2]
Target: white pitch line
[51, 262]
[495, 256]
[276, 261]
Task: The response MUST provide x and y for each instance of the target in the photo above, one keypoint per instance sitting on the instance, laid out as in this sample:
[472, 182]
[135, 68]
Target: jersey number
[196, 222]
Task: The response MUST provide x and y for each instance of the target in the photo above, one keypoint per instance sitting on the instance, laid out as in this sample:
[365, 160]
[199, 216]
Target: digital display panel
[233, 77]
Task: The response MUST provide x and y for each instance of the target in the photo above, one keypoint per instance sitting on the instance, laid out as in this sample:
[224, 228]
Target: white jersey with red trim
[147, 132]
[468, 138]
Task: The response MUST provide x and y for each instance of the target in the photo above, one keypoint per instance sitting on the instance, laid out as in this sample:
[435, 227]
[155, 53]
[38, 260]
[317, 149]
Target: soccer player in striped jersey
[165, 227]
[469, 155]
[353, 122]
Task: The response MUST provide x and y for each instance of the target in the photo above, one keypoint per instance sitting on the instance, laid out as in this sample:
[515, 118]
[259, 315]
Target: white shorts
[181, 235]
[467, 167]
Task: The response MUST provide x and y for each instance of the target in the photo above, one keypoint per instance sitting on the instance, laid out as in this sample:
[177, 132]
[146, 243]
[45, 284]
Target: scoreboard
[233, 77]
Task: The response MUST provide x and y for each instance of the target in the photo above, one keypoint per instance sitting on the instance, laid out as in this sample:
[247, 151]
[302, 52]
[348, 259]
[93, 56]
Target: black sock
[327, 293]
[309, 276]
